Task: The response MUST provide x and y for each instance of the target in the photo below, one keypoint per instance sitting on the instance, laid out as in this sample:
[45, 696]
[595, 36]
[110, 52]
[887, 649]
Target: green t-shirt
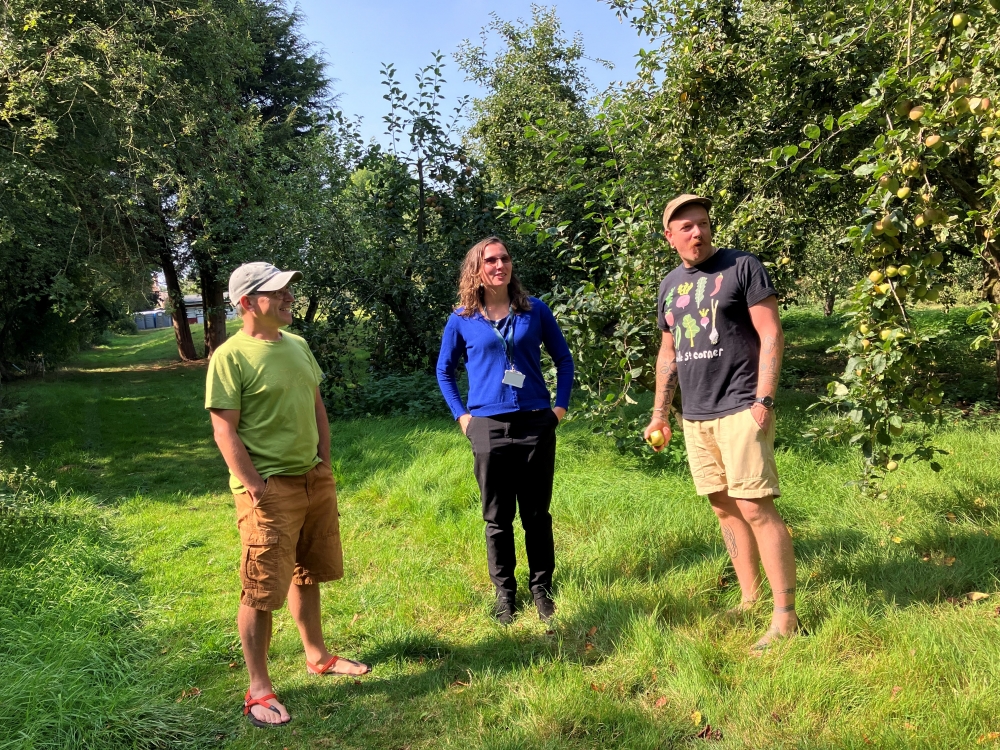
[273, 384]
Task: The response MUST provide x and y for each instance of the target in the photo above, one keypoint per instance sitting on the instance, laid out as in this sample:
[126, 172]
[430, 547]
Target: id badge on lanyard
[513, 378]
[511, 375]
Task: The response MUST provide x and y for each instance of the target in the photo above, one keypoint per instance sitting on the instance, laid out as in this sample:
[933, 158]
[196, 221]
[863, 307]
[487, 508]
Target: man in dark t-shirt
[722, 341]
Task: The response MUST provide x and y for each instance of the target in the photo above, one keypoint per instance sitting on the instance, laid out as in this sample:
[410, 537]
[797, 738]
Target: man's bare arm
[666, 376]
[767, 323]
[666, 386]
[323, 426]
[224, 424]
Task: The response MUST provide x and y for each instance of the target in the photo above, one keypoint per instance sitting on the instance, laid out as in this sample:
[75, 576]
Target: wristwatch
[767, 402]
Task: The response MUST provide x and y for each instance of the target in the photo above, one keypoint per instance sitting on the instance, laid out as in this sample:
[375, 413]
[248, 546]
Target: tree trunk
[397, 305]
[992, 294]
[974, 198]
[312, 308]
[214, 305]
[420, 202]
[178, 311]
[828, 301]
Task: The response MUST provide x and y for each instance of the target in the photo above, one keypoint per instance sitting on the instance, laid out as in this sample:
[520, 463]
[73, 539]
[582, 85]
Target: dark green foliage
[407, 214]
[535, 81]
[414, 395]
[135, 136]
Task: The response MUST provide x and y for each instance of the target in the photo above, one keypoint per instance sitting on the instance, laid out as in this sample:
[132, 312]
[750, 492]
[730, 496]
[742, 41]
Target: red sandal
[325, 669]
[249, 703]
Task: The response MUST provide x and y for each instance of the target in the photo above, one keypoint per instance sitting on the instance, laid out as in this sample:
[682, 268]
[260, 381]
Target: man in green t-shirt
[271, 426]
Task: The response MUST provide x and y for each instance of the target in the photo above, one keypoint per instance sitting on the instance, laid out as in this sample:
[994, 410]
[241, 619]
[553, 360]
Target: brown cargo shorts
[292, 535]
[732, 453]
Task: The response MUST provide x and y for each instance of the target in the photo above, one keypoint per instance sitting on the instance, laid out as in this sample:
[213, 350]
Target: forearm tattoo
[666, 382]
[730, 537]
[769, 370]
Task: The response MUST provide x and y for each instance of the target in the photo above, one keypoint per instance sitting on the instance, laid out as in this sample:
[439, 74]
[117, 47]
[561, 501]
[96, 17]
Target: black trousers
[515, 458]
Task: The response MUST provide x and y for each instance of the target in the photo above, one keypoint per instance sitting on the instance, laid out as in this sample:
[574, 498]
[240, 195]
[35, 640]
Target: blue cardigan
[474, 341]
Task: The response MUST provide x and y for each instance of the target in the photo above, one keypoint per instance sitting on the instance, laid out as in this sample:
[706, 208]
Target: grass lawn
[146, 587]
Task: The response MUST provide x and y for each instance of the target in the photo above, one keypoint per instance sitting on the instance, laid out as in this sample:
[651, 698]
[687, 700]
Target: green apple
[959, 84]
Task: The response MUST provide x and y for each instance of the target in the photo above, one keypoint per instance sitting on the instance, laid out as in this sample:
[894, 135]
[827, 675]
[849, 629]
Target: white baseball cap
[258, 277]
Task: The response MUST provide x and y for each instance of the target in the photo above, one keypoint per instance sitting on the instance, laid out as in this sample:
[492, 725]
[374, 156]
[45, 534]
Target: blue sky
[356, 36]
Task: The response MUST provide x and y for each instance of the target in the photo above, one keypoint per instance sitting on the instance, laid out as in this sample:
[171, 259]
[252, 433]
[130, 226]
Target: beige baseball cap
[258, 277]
[683, 200]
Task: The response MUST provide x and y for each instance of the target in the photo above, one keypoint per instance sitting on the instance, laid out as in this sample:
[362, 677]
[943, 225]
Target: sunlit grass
[898, 656]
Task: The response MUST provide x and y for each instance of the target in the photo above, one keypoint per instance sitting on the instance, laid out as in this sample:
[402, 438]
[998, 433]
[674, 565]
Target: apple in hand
[656, 438]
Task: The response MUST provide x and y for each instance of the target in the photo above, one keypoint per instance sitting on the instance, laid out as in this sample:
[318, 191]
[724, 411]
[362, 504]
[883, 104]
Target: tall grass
[77, 670]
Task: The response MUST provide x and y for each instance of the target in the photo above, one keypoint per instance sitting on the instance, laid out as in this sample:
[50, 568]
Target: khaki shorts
[292, 535]
[732, 453]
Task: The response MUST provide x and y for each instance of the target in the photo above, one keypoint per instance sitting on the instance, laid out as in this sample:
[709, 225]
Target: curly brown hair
[470, 282]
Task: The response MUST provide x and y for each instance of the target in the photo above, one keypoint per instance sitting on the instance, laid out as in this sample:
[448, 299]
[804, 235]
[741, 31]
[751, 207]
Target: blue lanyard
[508, 340]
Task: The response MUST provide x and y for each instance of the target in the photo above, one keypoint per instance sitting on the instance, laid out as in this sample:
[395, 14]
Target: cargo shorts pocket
[262, 558]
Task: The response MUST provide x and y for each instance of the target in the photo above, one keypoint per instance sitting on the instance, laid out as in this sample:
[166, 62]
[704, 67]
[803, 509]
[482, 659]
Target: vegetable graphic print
[718, 286]
[714, 335]
[690, 329]
[667, 302]
[704, 317]
[699, 294]
[685, 298]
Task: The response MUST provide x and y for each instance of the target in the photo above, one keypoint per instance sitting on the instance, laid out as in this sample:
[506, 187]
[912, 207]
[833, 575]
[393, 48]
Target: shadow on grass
[439, 667]
[934, 566]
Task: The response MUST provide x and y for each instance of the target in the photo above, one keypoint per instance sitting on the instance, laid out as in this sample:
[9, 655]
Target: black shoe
[504, 610]
[546, 607]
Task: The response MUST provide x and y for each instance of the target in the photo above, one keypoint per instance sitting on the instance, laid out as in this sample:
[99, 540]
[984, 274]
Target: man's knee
[758, 512]
[723, 505]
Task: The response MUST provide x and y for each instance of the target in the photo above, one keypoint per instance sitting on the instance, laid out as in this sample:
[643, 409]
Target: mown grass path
[639, 656]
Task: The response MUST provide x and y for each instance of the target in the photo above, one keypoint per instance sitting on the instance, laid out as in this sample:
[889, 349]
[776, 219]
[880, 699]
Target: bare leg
[304, 604]
[255, 634]
[742, 546]
[777, 556]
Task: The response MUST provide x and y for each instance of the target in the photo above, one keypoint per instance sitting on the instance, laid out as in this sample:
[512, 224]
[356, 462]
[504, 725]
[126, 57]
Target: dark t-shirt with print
[707, 308]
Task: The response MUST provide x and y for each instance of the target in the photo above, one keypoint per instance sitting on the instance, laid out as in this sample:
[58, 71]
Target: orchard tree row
[851, 146]
[135, 136]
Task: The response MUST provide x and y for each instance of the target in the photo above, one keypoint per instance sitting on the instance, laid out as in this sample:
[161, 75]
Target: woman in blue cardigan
[498, 331]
